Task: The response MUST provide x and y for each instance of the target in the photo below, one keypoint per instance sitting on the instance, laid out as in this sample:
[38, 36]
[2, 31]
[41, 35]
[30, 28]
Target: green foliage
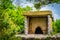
[7, 27]
[56, 27]
[27, 8]
[40, 3]
[11, 20]
[37, 6]
[6, 4]
[10, 38]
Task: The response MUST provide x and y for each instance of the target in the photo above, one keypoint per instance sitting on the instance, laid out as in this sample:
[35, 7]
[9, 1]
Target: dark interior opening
[38, 31]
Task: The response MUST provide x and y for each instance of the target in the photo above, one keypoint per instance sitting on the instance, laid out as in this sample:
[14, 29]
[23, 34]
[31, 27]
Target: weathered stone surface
[39, 37]
[36, 13]
[35, 19]
[36, 22]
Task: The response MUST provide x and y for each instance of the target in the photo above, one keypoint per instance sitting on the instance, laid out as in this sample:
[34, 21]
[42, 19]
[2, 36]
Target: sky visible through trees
[55, 8]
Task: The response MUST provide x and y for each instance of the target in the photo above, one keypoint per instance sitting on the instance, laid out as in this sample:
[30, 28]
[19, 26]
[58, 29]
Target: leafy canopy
[39, 3]
[11, 19]
[56, 26]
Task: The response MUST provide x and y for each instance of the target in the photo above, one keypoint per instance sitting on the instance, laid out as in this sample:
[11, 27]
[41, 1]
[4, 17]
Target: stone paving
[32, 36]
[36, 35]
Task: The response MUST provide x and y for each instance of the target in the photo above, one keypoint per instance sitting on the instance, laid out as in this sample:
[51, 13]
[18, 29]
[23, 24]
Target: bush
[56, 26]
[11, 22]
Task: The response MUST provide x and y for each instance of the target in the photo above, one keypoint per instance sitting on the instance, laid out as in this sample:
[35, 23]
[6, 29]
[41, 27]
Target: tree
[6, 4]
[11, 19]
[39, 3]
[56, 26]
[11, 22]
